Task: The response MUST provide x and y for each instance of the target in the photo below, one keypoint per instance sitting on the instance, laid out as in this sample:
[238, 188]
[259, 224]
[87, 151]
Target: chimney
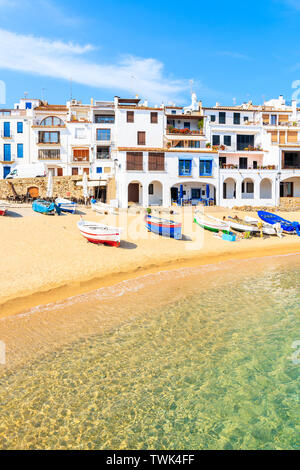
[92, 101]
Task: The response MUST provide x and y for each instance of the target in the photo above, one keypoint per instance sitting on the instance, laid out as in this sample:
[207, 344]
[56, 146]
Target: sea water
[211, 362]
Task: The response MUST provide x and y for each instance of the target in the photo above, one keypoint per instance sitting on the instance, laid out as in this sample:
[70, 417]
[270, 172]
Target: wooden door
[74, 171]
[133, 192]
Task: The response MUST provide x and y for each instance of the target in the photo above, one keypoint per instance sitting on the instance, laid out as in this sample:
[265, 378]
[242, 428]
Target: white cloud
[234, 55]
[62, 60]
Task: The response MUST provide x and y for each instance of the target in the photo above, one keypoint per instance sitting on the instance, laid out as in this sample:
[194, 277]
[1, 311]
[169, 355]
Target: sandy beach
[45, 258]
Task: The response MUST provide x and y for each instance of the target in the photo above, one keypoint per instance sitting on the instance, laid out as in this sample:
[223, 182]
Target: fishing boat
[102, 208]
[45, 207]
[266, 228]
[212, 226]
[286, 225]
[66, 205]
[99, 233]
[166, 228]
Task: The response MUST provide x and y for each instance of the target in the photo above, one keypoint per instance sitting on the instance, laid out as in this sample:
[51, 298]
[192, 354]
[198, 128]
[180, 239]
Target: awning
[207, 158]
[93, 184]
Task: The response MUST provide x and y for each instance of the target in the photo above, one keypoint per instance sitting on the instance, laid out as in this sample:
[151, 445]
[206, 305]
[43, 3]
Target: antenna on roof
[191, 85]
[25, 94]
[43, 93]
[71, 89]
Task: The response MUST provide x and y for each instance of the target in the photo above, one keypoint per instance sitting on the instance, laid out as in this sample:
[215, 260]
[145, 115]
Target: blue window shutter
[20, 127]
[99, 169]
[7, 152]
[7, 129]
[20, 151]
[28, 105]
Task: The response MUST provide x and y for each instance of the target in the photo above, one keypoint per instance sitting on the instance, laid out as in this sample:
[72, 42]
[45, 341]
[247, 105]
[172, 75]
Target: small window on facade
[154, 118]
[246, 119]
[222, 118]
[99, 169]
[20, 128]
[173, 111]
[141, 138]
[151, 189]
[28, 105]
[236, 118]
[216, 140]
[130, 116]
[227, 140]
[20, 153]
[213, 118]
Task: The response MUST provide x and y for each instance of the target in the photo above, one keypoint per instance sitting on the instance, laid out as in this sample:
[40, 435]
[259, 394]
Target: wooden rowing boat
[66, 205]
[45, 207]
[212, 226]
[163, 227]
[99, 233]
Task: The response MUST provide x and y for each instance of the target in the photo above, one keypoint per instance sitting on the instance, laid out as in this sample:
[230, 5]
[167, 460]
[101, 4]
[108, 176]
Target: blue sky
[231, 50]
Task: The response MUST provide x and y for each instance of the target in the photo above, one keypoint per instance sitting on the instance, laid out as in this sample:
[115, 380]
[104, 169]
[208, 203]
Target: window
[81, 155]
[154, 118]
[216, 140]
[196, 193]
[222, 161]
[28, 105]
[205, 167]
[7, 152]
[222, 118]
[243, 163]
[227, 140]
[103, 152]
[52, 121]
[245, 141]
[59, 172]
[185, 167]
[130, 116]
[173, 111]
[236, 118]
[104, 119]
[20, 127]
[151, 189]
[49, 154]
[20, 151]
[99, 169]
[246, 119]
[6, 129]
[49, 137]
[249, 187]
[141, 138]
[254, 165]
[156, 161]
[213, 118]
[74, 171]
[273, 120]
[80, 133]
[187, 125]
[103, 134]
[194, 144]
[134, 161]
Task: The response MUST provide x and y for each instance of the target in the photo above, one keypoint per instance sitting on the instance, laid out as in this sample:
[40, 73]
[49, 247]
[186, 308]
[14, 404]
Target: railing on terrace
[185, 131]
[230, 166]
[283, 123]
[224, 148]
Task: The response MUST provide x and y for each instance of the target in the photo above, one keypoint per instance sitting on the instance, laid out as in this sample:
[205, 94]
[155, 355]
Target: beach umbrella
[50, 184]
[207, 191]
[85, 186]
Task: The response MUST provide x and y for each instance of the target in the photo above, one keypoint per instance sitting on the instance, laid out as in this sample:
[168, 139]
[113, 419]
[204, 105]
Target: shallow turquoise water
[212, 370]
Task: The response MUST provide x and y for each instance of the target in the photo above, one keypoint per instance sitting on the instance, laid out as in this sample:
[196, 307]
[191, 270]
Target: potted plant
[208, 145]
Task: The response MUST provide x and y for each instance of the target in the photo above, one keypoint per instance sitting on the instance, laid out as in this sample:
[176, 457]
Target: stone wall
[111, 190]
[290, 203]
[63, 186]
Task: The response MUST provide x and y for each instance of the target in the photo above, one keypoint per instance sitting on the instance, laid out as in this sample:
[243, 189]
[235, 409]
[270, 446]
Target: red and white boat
[99, 233]
[2, 210]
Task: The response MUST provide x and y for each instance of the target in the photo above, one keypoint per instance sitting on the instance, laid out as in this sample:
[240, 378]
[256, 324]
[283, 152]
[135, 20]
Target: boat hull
[2, 211]
[66, 206]
[164, 228]
[286, 225]
[100, 235]
[43, 207]
[215, 228]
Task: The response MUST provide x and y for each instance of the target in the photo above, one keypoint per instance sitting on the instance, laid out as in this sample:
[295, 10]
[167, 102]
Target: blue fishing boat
[273, 219]
[66, 205]
[45, 207]
[166, 228]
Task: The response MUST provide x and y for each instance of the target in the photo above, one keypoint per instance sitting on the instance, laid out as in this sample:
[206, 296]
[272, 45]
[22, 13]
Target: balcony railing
[80, 159]
[230, 166]
[48, 157]
[185, 131]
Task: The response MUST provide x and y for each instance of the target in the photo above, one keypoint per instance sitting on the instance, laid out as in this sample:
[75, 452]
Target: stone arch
[155, 193]
[247, 188]
[266, 189]
[229, 188]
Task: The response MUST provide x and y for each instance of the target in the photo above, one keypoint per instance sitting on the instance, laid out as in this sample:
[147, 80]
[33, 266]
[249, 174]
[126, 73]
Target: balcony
[184, 132]
[231, 166]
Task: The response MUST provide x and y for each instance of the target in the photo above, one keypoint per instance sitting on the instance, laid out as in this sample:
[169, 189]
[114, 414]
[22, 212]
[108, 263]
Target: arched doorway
[229, 189]
[266, 189]
[290, 187]
[155, 193]
[248, 188]
[135, 194]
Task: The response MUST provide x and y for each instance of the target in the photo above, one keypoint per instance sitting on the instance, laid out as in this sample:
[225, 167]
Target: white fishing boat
[211, 225]
[267, 229]
[99, 233]
[103, 208]
[240, 225]
[66, 205]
